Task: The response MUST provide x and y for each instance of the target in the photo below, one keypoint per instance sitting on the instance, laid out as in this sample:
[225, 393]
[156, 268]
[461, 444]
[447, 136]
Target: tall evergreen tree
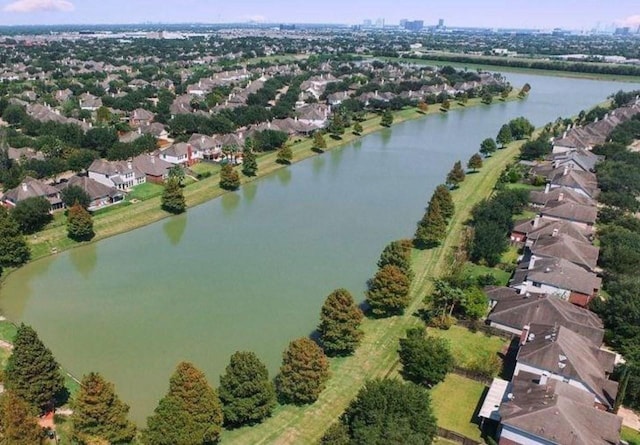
[387, 118]
[319, 143]
[432, 229]
[303, 374]
[190, 413]
[397, 253]
[229, 178]
[99, 415]
[246, 393]
[388, 291]
[445, 201]
[285, 155]
[249, 163]
[336, 434]
[456, 175]
[504, 136]
[32, 372]
[339, 327]
[172, 197]
[357, 128]
[18, 423]
[14, 251]
[79, 223]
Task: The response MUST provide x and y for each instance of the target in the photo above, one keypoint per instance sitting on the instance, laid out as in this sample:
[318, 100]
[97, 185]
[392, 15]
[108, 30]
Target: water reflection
[317, 165]
[84, 259]
[385, 136]
[174, 228]
[284, 175]
[249, 191]
[230, 202]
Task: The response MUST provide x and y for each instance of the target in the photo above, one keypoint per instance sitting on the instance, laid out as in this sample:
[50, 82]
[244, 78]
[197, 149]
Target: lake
[250, 270]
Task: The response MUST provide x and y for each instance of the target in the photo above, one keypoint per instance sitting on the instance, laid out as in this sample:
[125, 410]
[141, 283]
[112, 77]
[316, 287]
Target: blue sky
[576, 14]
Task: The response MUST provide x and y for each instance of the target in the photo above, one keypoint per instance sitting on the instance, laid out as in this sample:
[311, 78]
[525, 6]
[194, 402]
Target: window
[534, 284]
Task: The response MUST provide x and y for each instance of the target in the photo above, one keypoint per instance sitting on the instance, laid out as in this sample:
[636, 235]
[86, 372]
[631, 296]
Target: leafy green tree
[32, 373]
[14, 251]
[446, 105]
[487, 98]
[229, 178]
[99, 415]
[475, 162]
[177, 173]
[173, 200]
[357, 128]
[445, 201]
[475, 304]
[390, 412]
[488, 147]
[285, 155]
[190, 413]
[336, 126]
[79, 224]
[246, 393]
[397, 253]
[489, 243]
[336, 434]
[75, 194]
[445, 298]
[249, 163]
[456, 175]
[387, 118]
[18, 423]
[319, 143]
[388, 291]
[303, 374]
[504, 136]
[432, 228]
[425, 360]
[520, 128]
[32, 214]
[339, 327]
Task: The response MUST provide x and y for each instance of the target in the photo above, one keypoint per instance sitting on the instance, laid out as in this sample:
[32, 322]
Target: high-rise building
[414, 25]
[403, 22]
[441, 23]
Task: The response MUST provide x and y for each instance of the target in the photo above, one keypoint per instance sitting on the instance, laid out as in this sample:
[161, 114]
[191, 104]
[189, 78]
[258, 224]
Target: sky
[544, 14]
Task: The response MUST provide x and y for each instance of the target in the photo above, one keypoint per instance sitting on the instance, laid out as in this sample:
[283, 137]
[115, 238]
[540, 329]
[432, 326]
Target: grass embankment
[131, 215]
[485, 63]
[377, 355]
[630, 435]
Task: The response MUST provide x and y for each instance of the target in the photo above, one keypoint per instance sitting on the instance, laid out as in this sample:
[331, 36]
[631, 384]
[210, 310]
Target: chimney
[560, 196]
[153, 159]
[544, 378]
[202, 139]
[129, 165]
[269, 125]
[536, 221]
[555, 233]
[566, 171]
[139, 130]
[525, 334]
[547, 188]
[24, 186]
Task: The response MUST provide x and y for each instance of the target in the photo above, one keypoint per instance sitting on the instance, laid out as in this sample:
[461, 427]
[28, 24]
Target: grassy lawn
[510, 256]
[7, 331]
[521, 186]
[467, 346]
[205, 167]
[145, 191]
[377, 355]
[630, 435]
[475, 270]
[455, 401]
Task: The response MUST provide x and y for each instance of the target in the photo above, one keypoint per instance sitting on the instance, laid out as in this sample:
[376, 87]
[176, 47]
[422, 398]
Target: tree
[336, 434]
[246, 393]
[425, 360]
[75, 194]
[487, 98]
[336, 126]
[173, 198]
[388, 291]
[32, 214]
[357, 128]
[18, 423]
[446, 105]
[249, 163]
[504, 136]
[520, 128]
[443, 196]
[432, 228]
[190, 413]
[339, 327]
[397, 253]
[32, 372]
[390, 412]
[176, 172]
[285, 155]
[489, 243]
[423, 107]
[229, 178]
[456, 175]
[99, 415]
[387, 118]
[79, 224]
[319, 144]
[475, 162]
[488, 147]
[14, 251]
[303, 374]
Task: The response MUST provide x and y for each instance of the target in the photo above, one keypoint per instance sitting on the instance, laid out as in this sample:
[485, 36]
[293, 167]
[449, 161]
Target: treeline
[575, 67]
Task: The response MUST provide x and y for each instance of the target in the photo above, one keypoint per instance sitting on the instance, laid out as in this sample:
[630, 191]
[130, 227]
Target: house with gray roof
[528, 231]
[548, 195]
[155, 169]
[578, 214]
[561, 245]
[33, 188]
[101, 195]
[119, 174]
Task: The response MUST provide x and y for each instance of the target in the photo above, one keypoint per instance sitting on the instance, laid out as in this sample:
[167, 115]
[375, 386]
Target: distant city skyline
[544, 14]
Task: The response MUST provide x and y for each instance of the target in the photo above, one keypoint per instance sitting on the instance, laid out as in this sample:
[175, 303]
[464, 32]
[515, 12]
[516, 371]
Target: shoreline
[53, 241]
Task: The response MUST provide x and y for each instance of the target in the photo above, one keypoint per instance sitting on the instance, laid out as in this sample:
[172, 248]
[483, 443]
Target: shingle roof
[31, 188]
[94, 189]
[559, 194]
[571, 212]
[561, 245]
[563, 274]
[540, 227]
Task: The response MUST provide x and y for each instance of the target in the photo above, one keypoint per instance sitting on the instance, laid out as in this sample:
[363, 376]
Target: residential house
[89, 102]
[579, 159]
[26, 153]
[561, 245]
[101, 195]
[559, 353]
[141, 117]
[315, 115]
[63, 95]
[582, 182]
[33, 188]
[181, 153]
[559, 194]
[155, 169]
[528, 231]
[119, 174]
[581, 215]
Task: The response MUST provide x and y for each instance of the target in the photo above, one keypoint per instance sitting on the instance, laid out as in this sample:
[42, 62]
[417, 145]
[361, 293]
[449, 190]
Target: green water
[249, 271]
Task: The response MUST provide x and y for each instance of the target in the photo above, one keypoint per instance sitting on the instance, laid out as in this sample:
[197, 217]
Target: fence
[459, 438]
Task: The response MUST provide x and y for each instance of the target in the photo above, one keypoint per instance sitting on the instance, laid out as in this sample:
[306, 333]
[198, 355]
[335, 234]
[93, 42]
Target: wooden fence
[459, 438]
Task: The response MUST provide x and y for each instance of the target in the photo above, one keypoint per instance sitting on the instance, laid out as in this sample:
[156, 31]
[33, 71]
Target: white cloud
[39, 6]
[257, 18]
[632, 21]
